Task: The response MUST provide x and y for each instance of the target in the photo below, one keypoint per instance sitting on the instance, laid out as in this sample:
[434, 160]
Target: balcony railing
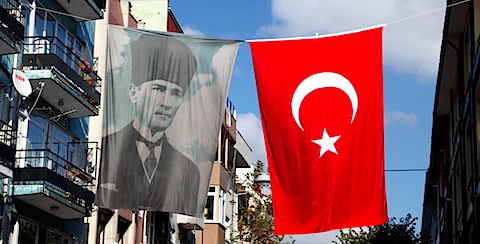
[45, 158]
[46, 180]
[12, 21]
[8, 140]
[48, 52]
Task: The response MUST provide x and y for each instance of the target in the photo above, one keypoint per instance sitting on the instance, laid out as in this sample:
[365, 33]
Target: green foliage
[255, 217]
[392, 232]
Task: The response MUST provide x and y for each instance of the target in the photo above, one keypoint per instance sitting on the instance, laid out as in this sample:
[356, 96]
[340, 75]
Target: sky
[411, 48]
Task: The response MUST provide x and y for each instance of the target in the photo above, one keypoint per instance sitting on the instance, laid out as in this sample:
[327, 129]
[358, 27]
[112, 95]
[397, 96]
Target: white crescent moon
[323, 80]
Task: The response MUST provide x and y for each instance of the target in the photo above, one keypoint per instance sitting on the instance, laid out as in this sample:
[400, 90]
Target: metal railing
[45, 158]
[15, 24]
[8, 141]
[7, 134]
[48, 52]
[69, 55]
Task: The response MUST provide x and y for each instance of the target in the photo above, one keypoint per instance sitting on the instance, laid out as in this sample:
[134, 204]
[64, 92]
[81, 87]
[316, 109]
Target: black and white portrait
[162, 115]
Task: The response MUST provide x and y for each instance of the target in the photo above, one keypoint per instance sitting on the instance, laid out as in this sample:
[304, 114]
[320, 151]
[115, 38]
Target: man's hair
[156, 57]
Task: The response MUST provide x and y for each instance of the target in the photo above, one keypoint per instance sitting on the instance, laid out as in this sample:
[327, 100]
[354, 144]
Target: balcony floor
[40, 196]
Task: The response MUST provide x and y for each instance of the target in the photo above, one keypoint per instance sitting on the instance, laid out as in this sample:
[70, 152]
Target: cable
[360, 29]
[431, 11]
[393, 22]
[42, 85]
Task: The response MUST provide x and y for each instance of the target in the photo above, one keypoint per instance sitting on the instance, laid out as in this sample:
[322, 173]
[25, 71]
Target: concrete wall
[154, 13]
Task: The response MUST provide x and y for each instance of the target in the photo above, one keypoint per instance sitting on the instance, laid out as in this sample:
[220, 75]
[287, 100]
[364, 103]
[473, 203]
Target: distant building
[451, 211]
[223, 200]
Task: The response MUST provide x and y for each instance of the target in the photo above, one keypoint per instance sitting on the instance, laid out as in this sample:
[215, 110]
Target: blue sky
[411, 52]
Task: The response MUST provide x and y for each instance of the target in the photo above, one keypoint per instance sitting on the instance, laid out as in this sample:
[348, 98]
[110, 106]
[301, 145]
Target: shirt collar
[145, 132]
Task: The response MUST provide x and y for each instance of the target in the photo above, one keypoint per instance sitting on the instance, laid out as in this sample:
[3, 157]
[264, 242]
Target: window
[53, 238]
[53, 146]
[28, 232]
[34, 234]
[221, 214]
[39, 23]
[209, 206]
[58, 39]
[216, 205]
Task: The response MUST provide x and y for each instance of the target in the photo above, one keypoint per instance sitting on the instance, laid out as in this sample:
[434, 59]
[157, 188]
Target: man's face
[157, 102]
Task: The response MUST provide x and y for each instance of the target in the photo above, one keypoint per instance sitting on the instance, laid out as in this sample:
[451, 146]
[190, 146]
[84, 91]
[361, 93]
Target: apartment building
[451, 211]
[234, 157]
[49, 88]
[11, 37]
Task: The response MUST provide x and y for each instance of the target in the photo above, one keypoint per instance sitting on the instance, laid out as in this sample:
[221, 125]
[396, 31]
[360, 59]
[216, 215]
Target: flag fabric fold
[164, 103]
[321, 106]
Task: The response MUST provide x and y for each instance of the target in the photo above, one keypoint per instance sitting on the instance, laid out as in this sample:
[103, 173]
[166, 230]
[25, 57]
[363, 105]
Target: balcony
[85, 9]
[7, 149]
[189, 222]
[11, 27]
[244, 153]
[70, 84]
[48, 182]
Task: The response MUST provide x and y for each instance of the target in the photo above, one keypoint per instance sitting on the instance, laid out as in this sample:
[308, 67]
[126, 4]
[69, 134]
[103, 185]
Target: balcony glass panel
[39, 23]
[51, 24]
[35, 136]
[62, 50]
[57, 142]
[49, 146]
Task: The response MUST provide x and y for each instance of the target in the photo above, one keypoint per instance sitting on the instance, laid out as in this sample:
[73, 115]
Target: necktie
[151, 160]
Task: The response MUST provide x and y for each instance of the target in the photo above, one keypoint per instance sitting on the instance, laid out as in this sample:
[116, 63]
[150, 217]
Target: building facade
[451, 211]
[49, 88]
[234, 157]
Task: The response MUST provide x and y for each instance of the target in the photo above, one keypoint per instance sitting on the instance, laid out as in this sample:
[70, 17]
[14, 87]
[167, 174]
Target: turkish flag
[321, 105]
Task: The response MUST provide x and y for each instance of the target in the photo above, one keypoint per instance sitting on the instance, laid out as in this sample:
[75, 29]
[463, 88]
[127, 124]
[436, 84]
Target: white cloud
[190, 30]
[411, 45]
[250, 127]
[398, 117]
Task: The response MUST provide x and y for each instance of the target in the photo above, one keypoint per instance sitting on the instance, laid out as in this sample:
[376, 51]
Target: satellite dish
[21, 83]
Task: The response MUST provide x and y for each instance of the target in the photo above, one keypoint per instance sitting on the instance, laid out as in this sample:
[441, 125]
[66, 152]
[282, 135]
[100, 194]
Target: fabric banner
[164, 99]
[321, 105]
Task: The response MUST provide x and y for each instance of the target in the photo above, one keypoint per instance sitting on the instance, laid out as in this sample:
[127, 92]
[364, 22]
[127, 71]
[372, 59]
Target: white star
[326, 143]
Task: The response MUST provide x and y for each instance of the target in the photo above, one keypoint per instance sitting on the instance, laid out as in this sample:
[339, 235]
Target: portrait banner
[163, 107]
[321, 106]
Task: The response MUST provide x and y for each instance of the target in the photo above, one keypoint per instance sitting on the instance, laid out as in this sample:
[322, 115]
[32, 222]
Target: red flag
[321, 105]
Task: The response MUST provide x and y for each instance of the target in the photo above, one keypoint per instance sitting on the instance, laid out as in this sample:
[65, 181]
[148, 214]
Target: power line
[428, 12]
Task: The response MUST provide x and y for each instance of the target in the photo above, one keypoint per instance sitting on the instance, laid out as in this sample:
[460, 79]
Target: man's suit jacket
[123, 183]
